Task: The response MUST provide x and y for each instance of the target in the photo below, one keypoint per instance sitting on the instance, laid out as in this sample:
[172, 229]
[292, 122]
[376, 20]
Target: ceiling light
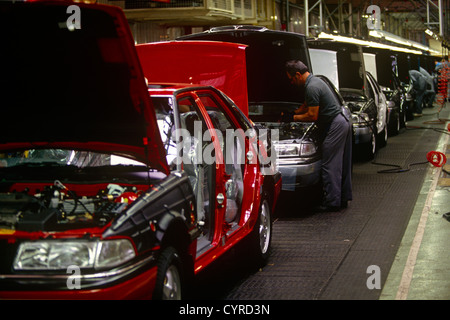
[372, 44]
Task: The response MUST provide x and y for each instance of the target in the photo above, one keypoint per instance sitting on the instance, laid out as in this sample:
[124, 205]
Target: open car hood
[78, 88]
[343, 63]
[218, 64]
[266, 55]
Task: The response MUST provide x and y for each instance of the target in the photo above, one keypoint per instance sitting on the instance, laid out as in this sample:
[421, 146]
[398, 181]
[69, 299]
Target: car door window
[164, 116]
[375, 85]
[376, 90]
[380, 102]
[371, 90]
[233, 149]
[201, 173]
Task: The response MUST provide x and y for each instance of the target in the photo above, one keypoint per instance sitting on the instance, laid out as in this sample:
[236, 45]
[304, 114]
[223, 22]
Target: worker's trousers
[337, 162]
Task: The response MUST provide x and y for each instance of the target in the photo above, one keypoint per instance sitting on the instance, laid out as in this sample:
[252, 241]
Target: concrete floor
[390, 243]
[421, 269]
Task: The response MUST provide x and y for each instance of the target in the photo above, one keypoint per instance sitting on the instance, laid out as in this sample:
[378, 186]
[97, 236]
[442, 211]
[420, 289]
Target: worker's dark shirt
[317, 93]
[418, 80]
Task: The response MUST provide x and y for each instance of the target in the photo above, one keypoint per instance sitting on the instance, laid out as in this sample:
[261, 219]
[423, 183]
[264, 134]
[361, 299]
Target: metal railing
[242, 9]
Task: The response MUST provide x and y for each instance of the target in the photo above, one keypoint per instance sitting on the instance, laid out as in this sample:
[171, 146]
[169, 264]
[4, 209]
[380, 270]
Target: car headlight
[361, 118]
[307, 149]
[287, 149]
[58, 254]
[295, 149]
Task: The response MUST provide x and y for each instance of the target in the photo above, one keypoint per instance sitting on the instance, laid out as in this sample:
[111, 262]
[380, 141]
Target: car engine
[57, 208]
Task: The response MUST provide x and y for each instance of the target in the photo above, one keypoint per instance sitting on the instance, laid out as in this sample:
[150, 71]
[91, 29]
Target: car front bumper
[132, 282]
[296, 175]
[363, 134]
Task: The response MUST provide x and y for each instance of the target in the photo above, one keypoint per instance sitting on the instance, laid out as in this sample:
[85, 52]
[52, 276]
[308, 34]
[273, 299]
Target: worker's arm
[302, 109]
[311, 115]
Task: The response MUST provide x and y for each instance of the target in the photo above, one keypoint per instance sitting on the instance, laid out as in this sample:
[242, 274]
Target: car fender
[166, 221]
[150, 216]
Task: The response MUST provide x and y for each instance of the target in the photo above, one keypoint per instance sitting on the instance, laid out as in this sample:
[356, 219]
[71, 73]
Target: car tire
[382, 138]
[403, 119]
[395, 125]
[261, 236]
[168, 284]
[369, 149]
[409, 111]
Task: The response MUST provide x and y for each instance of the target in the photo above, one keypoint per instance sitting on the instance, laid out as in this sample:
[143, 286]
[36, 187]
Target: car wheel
[383, 137]
[409, 111]
[262, 233]
[395, 125]
[371, 147]
[168, 279]
[403, 119]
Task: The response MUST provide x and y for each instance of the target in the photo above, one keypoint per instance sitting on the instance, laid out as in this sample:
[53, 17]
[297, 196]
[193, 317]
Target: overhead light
[375, 33]
[420, 46]
[372, 44]
[396, 39]
[434, 51]
[429, 32]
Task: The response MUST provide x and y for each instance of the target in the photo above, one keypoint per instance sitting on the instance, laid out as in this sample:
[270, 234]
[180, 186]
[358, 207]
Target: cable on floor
[436, 158]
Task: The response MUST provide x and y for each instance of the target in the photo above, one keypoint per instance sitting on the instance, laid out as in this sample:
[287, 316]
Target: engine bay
[58, 207]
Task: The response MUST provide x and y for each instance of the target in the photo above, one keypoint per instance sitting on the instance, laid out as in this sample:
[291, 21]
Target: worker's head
[297, 72]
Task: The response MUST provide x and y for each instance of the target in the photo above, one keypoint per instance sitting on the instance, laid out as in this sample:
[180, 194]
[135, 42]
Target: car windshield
[164, 115]
[61, 157]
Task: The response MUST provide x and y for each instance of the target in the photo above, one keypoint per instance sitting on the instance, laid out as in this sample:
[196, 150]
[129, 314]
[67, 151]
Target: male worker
[430, 92]
[322, 107]
[419, 84]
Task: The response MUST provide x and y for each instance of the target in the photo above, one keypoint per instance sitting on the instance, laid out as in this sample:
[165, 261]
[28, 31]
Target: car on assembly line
[270, 93]
[382, 64]
[207, 137]
[97, 199]
[296, 145]
[369, 113]
[344, 64]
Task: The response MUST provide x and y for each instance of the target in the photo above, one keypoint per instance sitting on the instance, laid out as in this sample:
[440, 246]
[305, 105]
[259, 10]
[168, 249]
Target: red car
[104, 191]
